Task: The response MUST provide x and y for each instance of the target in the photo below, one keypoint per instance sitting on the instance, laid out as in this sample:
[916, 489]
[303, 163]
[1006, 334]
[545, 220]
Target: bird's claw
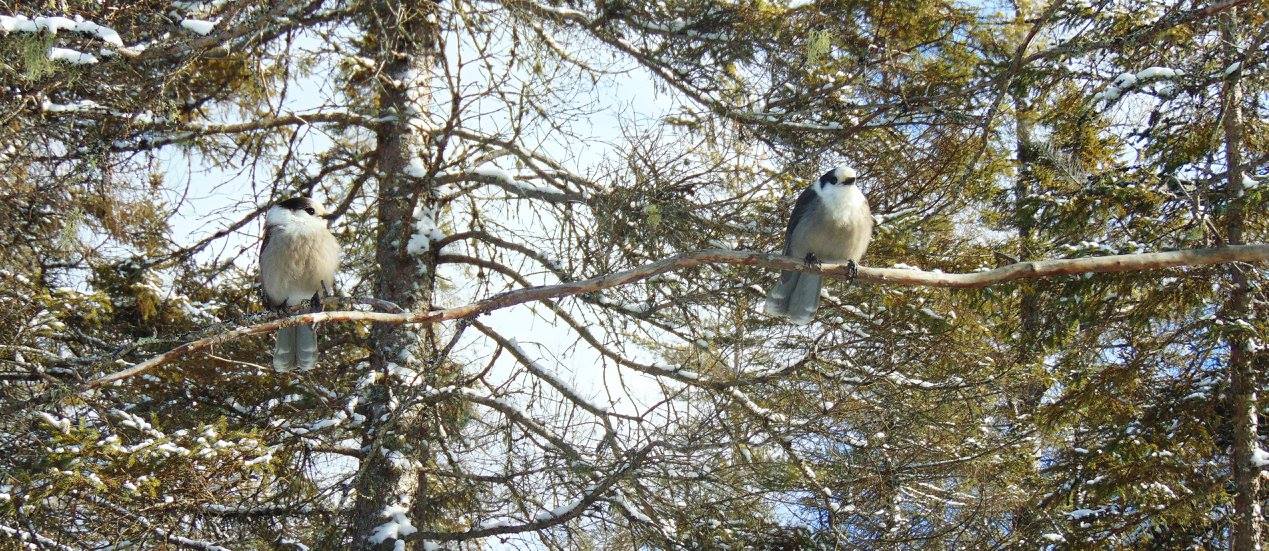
[812, 260]
[316, 302]
[852, 269]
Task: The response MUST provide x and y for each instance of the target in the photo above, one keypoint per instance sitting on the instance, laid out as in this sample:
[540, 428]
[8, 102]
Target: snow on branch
[884, 276]
[32, 538]
[198, 26]
[770, 421]
[179, 541]
[162, 132]
[206, 128]
[52, 24]
[1142, 33]
[74, 57]
[504, 180]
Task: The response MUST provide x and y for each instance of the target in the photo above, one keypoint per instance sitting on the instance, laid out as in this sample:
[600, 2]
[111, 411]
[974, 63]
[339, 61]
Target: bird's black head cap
[843, 176]
[303, 204]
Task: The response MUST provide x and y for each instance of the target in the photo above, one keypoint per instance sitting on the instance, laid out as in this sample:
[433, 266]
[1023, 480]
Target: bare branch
[595, 492]
[891, 276]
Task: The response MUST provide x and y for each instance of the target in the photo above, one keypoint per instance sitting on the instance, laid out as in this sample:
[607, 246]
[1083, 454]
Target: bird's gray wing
[264, 244]
[807, 202]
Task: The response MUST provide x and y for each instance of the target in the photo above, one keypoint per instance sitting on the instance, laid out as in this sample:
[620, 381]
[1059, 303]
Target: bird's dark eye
[310, 210]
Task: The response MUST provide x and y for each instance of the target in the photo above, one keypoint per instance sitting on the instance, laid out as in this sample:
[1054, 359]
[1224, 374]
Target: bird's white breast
[300, 257]
[842, 204]
[838, 229]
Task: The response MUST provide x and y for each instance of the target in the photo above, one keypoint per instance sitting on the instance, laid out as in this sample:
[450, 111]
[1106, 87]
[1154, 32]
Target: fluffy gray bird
[830, 223]
[298, 259]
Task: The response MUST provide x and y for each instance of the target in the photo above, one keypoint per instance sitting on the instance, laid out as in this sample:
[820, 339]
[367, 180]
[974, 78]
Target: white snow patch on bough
[496, 173]
[416, 168]
[199, 7]
[22, 23]
[1080, 514]
[1157, 72]
[102, 32]
[198, 26]
[74, 57]
[1127, 81]
[1259, 457]
[76, 107]
[558, 512]
[397, 527]
[426, 230]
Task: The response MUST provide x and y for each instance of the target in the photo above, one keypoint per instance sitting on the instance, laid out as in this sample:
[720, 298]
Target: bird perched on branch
[831, 222]
[298, 259]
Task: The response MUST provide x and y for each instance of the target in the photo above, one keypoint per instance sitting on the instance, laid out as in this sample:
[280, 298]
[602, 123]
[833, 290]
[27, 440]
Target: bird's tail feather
[296, 348]
[778, 298]
[284, 349]
[305, 347]
[797, 296]
[804, 299]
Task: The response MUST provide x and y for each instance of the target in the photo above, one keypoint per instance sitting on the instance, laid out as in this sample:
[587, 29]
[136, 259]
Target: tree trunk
[404, 38]
[1030, 392]
[1029, 316]
[1242, 379]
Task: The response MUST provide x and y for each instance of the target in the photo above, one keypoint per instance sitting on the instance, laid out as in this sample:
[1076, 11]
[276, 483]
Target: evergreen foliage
[468, 148]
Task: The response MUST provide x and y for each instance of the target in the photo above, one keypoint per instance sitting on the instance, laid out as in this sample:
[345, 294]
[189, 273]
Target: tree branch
[31, 538]
[596, 491]
[1073, 47]
[886, 276]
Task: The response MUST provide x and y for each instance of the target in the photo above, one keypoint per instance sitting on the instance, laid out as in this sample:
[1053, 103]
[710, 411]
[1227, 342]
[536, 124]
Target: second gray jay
[830, 223]
[298, 259]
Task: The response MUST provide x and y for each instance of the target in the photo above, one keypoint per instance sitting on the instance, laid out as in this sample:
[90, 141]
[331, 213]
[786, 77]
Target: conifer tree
[527, 346]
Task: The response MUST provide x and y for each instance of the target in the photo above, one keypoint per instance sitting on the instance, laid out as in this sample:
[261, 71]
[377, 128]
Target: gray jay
[298, 259]
[830, 223]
